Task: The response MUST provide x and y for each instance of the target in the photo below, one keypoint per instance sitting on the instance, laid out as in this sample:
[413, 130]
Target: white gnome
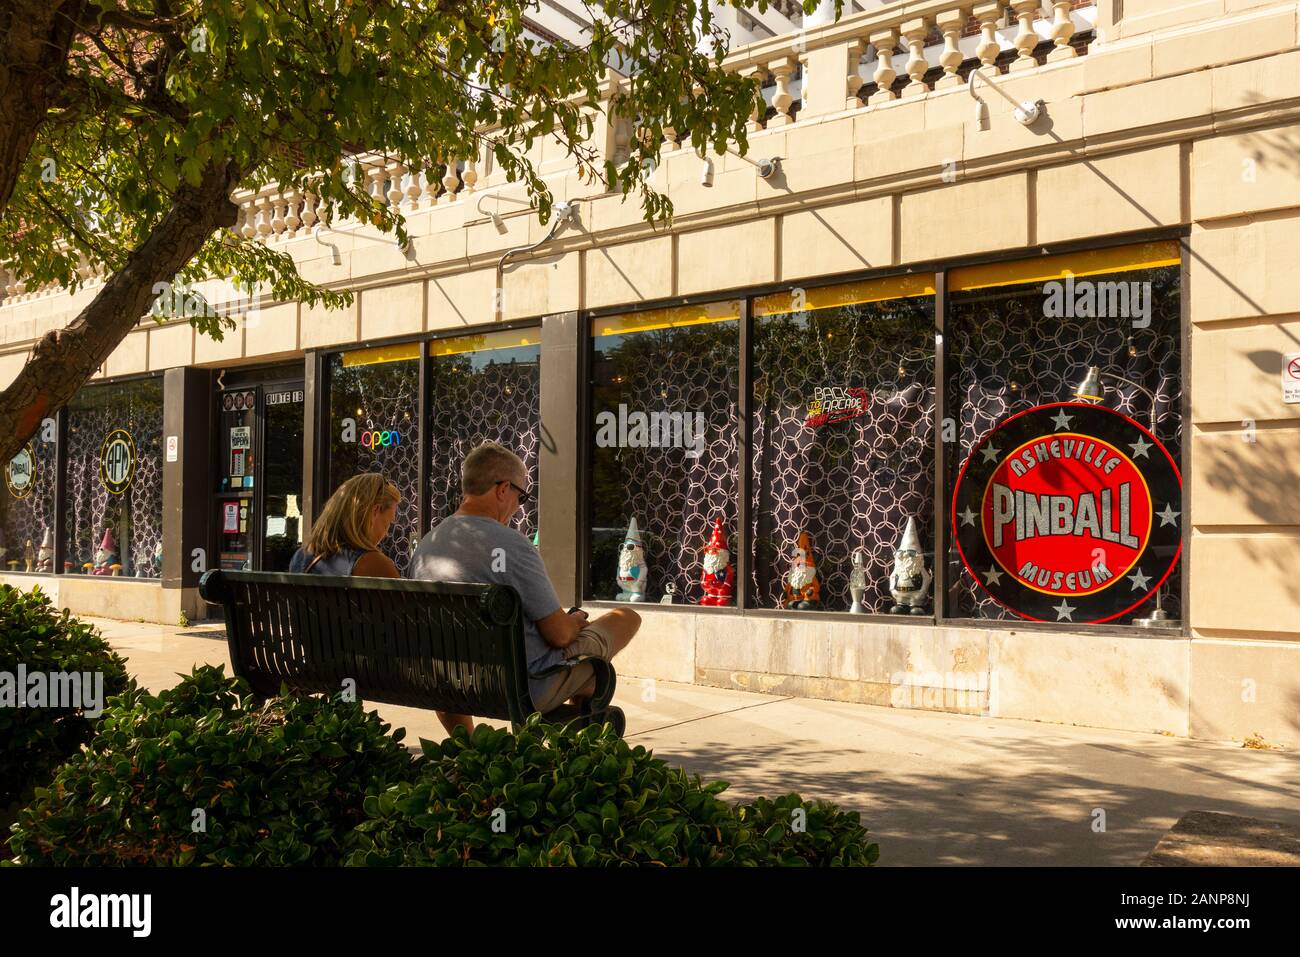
[909, 583]
[632, 570]
[858, 582]
[45, 557]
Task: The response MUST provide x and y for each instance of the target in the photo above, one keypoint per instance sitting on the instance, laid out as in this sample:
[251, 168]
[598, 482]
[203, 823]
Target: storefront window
[665, 454]
[1063, 511]
[843, 448]
[27, 507]
[373, 403]
[483, 388]
[114, 490]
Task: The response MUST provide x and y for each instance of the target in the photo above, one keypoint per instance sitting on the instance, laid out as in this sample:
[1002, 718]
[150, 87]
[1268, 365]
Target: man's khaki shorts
[591, 641]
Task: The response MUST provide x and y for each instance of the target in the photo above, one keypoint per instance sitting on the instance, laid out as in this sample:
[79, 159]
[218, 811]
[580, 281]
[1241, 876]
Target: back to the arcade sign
[1069, 512]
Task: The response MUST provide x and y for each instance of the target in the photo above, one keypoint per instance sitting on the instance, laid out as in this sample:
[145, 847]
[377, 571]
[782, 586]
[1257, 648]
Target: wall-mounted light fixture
[1026, 112]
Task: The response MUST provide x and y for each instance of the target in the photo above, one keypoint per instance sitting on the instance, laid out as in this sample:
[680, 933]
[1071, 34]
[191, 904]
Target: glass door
[280, 483]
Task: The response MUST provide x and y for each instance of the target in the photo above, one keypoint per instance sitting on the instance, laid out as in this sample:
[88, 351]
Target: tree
[125, 125]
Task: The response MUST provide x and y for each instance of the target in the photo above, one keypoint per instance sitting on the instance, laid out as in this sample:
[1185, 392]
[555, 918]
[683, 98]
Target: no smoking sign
[1291, 377]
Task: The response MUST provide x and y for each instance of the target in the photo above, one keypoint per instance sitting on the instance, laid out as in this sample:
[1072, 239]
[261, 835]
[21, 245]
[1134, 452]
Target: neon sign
[375, 439]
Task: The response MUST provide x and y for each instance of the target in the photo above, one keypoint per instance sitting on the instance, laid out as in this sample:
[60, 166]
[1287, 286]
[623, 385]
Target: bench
[445, 645]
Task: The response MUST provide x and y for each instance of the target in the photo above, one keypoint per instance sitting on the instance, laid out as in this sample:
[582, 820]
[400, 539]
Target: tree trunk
[65, 358]
[35, 37]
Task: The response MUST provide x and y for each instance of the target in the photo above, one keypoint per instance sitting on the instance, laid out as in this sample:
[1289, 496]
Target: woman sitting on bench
[344, 541]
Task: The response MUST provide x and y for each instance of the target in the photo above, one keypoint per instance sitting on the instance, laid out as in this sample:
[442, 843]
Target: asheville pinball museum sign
[1069, 512]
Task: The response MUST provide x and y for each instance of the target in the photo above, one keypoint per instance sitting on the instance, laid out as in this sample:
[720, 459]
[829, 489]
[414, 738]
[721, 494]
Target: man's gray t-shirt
[470, 548]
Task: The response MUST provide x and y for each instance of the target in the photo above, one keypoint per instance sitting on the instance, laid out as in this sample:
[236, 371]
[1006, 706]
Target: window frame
[939, 269]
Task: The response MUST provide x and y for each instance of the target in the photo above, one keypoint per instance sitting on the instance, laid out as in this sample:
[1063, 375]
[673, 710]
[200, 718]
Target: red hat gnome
[106, 555]
[719, 576]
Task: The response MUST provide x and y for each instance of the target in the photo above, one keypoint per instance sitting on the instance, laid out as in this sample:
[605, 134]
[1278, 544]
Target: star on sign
[1140, 447]
[1062, 420]
[1140, 581]
[1168, 515]
[1063, 611]
[967, 517]
[993, 576]
[990, 453]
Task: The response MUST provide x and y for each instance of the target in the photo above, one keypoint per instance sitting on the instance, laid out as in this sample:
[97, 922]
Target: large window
[482, 388]
[1099, 328]
[664, 453]
[114, 480]
[373, 405]
[27, 507]
[843, 445]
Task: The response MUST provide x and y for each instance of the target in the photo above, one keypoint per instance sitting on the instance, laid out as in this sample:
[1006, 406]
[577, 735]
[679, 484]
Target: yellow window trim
[485, 342]
[370, 357]
[847, 294]
[671, 318]
[1089, 263]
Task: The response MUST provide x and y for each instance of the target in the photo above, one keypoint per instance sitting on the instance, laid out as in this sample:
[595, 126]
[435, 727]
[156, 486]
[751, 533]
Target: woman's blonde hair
[344, 520]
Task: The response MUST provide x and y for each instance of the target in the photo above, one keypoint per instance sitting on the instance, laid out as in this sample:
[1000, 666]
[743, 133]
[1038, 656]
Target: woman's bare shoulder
[375, 565]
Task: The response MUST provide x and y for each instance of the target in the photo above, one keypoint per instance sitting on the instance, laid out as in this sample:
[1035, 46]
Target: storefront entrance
[258, 468]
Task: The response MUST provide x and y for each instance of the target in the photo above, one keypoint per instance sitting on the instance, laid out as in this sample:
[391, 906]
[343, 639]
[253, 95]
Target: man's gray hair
[487, 465]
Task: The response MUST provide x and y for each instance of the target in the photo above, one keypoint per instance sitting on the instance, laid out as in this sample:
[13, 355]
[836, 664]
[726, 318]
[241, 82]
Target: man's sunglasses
[524, 496]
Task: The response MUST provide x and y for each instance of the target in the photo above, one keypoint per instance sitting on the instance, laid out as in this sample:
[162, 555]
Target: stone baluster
[450, 181]
[852, 78]
[950, 24]
[291, 219]
[988, 15]
[308, 209]
[395, 171]
[885, 41]
[915, 32]
[1062, 31]
[1026, 39]
[671, 139]
[756, 75]
[782, 69]
[375, 183]
[263, 224]
[248, 218]
[469, 175]
[412, 187]
[277, 215]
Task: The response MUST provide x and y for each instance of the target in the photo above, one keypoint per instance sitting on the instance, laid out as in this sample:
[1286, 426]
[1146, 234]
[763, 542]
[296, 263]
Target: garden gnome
[157, 558]
[910, 582]
[858, 583]
[45, 557]
[719, 575]
[669, 590]
[106, 555]
[29, 555]
[632, 570]
[802, 589]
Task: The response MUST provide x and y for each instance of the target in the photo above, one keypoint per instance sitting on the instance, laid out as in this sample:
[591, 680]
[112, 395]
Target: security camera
[767, 168]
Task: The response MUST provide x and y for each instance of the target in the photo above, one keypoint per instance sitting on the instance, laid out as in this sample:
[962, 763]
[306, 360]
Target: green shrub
[34, 740]
[201, 774]
[543, 797]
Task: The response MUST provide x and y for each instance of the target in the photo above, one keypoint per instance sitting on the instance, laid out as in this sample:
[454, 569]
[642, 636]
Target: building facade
[982, 383]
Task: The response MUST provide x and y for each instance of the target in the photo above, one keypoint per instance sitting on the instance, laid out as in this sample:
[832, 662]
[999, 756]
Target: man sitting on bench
[477, 544]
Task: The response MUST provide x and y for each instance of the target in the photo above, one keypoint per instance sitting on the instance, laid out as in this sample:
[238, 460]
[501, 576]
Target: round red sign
[1069, 512]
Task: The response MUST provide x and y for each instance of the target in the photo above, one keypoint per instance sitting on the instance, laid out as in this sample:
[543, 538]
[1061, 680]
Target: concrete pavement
[933, 788]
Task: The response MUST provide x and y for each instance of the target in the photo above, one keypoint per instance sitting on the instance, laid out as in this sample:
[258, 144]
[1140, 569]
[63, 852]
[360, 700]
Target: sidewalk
[933, 788]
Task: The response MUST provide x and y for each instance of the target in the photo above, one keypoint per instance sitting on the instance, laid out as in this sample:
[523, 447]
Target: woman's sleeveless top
[340, 563]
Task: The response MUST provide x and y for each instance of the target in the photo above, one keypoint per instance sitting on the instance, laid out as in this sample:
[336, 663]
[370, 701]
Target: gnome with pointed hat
[909, 582]
[106, 555]
[719, 575]
[632, 571]
[45, 557]
[802, 588]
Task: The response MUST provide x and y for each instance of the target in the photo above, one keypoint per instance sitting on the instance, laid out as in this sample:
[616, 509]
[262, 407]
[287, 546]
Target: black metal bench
[444, 645]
